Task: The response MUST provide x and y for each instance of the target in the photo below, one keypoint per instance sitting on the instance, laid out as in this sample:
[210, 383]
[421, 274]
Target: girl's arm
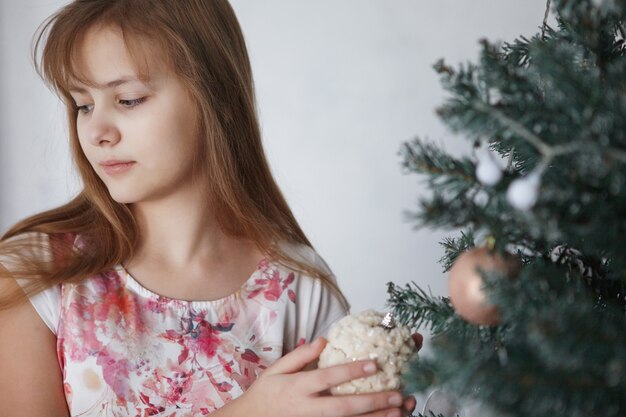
[285, 390]
[31, 384]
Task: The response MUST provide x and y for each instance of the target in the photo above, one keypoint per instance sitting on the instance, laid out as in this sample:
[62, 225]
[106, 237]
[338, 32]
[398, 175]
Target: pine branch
[413, 307]
[453, 247]
[426, 158]
[545, 19]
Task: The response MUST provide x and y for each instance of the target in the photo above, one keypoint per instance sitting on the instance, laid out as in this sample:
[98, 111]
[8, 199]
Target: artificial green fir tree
[543, 192]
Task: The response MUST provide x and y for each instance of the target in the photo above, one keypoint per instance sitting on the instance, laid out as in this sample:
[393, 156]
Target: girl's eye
[129, 104]
[132, 103]
[85, 109]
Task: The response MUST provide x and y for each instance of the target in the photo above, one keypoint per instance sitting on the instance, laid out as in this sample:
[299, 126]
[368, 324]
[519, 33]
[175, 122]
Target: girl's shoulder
[17, 250]
[30, 244]
[305, 254]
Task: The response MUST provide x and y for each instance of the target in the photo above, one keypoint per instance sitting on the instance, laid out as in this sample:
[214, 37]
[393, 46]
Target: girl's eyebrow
[110, 84]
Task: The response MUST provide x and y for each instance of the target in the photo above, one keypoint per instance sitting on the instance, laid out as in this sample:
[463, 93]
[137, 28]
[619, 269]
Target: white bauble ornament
[523, 192]
[488, 171]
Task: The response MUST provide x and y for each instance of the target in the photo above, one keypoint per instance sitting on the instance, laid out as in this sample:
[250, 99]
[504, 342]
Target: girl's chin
[122, 198]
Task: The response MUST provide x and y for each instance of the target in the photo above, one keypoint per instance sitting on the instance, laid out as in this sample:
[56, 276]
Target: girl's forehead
[105, 57]
[78, 85]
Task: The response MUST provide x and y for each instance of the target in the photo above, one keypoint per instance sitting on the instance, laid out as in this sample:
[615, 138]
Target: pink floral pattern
[130, 352]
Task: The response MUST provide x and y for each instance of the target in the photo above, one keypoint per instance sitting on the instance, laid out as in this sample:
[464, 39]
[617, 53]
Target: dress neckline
[130, 282]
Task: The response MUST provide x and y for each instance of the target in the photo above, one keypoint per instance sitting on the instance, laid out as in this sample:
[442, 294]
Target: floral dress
[126, 351]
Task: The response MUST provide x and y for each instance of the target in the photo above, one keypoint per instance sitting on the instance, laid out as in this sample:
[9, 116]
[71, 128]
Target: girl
[177, 282]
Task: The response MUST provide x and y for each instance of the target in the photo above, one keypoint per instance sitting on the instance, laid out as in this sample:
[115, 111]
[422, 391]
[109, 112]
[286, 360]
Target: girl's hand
[284, 390]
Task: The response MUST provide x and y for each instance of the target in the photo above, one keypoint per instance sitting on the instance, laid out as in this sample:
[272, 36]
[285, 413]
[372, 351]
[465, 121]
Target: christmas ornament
[466, 284]
[523, 192]
[563, 254]
[369, 335]
[488, 171]
[442, 403]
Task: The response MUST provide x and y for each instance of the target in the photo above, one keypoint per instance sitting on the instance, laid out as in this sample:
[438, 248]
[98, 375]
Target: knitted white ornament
[362, 336]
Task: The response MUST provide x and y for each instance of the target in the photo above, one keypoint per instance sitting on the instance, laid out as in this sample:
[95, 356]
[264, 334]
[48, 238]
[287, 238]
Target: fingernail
[394, 413]
[370, 367]
[395, 400]
[418, 339]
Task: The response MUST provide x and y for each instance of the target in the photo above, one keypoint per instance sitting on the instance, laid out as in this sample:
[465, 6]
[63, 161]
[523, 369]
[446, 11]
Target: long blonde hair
[202, 42]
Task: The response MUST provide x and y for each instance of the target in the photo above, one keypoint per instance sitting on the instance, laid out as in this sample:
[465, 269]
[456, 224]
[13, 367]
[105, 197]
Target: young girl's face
[139, 136]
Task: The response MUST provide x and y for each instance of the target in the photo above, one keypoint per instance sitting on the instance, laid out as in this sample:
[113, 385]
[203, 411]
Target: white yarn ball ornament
[360, 336]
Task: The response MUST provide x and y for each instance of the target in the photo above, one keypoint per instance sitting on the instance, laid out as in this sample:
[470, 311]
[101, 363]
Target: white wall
[341, 84]
[35, 172]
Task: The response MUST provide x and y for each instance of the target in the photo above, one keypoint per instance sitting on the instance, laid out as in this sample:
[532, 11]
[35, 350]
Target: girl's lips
[117, 168]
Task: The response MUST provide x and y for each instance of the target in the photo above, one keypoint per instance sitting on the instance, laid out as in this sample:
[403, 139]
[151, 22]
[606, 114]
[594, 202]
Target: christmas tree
[535, 321]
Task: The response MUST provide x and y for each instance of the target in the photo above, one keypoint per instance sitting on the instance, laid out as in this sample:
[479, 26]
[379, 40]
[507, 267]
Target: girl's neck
[180, 230]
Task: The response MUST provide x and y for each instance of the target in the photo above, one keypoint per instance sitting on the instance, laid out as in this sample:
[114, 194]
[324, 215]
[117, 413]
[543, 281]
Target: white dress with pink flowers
[126, 351]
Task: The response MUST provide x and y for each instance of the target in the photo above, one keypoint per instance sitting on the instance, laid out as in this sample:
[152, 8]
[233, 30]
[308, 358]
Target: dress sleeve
[316, 307]
[329, 311]
[48, 302]
[48, 305]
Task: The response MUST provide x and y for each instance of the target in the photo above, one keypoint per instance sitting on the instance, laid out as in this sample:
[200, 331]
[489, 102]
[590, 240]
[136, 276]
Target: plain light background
[340, 85]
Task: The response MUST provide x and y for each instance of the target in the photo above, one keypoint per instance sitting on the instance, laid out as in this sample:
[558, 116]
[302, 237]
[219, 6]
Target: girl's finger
[409, 404]
[319, 380]
[390, 412]
[297, 359]
[359, 404]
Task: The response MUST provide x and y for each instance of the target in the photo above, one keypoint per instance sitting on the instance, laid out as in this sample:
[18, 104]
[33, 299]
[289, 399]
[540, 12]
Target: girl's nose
[101, 130]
